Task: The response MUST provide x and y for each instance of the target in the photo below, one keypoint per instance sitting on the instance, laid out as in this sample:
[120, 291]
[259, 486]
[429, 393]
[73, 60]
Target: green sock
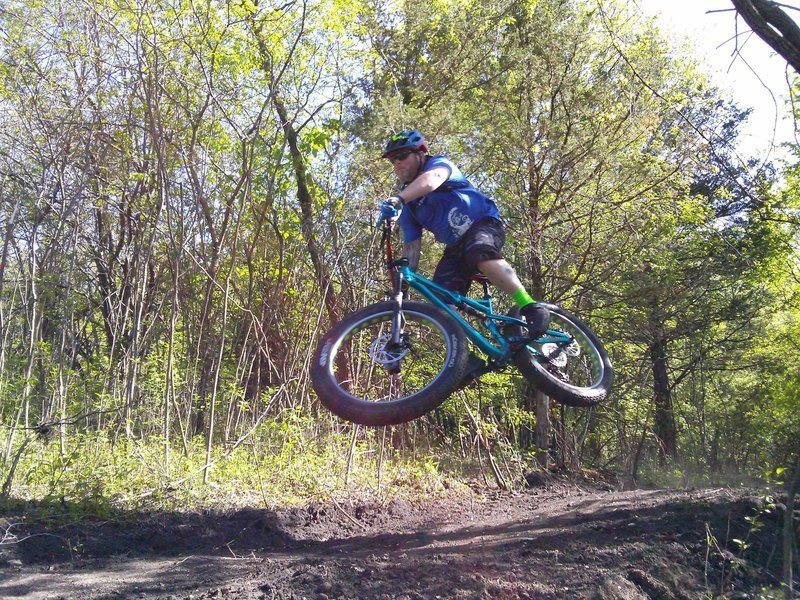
[522, 298]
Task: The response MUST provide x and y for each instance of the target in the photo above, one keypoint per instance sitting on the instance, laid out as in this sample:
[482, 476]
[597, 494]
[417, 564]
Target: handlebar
[382, 220]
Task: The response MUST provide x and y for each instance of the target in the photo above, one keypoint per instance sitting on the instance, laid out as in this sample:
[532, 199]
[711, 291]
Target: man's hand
[390, 208]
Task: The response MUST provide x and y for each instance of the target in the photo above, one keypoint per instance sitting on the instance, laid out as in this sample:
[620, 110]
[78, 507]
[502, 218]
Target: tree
[774, 26]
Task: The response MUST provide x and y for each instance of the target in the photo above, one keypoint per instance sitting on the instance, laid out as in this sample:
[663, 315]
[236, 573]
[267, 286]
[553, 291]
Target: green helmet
[410, 139]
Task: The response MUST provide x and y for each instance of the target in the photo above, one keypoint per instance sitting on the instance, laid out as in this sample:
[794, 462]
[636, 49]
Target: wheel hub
[381, 352]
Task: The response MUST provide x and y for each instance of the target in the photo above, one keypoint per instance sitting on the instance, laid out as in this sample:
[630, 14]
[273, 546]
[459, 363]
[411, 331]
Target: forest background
[187, 194]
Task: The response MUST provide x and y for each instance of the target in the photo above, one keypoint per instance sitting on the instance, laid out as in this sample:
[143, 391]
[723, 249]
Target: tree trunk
[303, 180]
[305, 199]
[664, 419]
[788, 534]
[542, 429]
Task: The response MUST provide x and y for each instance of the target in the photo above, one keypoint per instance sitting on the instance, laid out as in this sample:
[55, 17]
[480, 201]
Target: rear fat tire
[429, 373]
[594, 358]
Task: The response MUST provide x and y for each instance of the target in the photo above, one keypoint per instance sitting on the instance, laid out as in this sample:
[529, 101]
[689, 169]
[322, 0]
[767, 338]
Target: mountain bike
[394, 361]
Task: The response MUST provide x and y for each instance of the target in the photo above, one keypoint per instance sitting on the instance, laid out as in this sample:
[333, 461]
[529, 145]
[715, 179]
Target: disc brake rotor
[557, 355]
[381, 354]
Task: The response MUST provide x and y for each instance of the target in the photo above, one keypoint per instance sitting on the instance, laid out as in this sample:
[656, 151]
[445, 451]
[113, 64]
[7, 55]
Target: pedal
[475, 364]
[476, 368]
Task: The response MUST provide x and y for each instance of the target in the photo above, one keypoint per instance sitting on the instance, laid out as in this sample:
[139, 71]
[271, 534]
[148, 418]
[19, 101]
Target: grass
[284, 463]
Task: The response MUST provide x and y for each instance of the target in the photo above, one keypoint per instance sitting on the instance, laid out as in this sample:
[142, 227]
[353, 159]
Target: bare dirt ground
[556, 540]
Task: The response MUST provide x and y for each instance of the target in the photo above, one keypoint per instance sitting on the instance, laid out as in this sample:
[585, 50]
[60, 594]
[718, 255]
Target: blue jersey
[449, 210]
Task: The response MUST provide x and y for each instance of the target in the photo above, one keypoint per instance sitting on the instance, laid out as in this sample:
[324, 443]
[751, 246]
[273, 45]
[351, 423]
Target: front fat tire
[591, 376]
[432, 370]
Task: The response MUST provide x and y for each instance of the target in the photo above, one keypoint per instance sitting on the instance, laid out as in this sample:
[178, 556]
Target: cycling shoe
[537, 317]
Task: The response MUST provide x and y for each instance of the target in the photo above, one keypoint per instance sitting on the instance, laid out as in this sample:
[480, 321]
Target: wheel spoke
[367, 369]
[571, 366]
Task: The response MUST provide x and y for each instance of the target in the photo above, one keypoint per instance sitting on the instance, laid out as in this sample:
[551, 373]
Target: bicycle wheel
[360, 377]
[577, 373]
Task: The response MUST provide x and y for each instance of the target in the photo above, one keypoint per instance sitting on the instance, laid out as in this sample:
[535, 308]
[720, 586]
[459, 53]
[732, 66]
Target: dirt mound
[555, 541]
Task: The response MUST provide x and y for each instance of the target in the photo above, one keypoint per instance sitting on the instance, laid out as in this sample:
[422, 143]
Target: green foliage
[284, 462]
[160, 263]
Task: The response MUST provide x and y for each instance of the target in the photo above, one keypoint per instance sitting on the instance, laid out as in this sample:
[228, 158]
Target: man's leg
[451, 272]
[502, 275]
[504, 278]
[483, 245]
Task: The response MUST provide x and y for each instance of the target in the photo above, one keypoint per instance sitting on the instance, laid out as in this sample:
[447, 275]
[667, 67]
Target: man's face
[406, 165]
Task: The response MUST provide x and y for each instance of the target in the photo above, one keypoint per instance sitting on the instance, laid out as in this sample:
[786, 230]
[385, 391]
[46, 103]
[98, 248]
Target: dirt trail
[559, 541]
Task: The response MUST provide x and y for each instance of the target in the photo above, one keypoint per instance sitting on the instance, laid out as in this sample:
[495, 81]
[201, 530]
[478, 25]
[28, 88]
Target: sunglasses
[401, 156]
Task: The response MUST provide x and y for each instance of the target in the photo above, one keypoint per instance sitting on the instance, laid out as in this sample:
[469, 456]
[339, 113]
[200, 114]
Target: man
[436, 196]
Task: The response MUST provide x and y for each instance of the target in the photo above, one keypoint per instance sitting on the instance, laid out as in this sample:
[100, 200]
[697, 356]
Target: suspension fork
[397, 282]
[397, 299]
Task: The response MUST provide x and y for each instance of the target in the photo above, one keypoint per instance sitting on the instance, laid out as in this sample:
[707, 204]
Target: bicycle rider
[435, 195]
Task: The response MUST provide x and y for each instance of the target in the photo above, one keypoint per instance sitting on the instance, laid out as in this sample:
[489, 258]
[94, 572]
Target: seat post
[484, 281]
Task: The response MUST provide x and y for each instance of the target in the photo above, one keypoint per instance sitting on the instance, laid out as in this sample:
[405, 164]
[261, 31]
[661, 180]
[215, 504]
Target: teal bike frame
[498, 347]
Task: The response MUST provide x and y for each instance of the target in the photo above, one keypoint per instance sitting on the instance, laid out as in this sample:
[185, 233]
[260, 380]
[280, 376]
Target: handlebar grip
[382, 218]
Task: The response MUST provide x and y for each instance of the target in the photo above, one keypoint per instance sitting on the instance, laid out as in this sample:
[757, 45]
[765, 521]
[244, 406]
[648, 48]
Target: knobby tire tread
[393, 412]
[559, 391]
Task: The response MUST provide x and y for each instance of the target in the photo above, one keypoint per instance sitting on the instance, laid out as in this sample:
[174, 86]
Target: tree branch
[774, 26]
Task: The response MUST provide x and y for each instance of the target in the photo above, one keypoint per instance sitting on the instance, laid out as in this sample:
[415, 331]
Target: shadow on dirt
[38, 535]
[665, 544]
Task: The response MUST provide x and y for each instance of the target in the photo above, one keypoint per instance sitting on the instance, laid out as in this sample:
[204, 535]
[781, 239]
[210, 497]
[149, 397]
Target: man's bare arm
[425, 184]
[412, 251]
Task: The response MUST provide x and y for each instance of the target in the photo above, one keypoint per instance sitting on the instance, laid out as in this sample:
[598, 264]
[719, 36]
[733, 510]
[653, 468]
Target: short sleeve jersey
[449, 210]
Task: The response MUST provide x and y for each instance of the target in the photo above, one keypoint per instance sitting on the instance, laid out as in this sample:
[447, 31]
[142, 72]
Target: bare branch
[773, 26]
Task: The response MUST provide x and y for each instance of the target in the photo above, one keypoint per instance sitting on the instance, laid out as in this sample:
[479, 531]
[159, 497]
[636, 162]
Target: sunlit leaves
[143, 148]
